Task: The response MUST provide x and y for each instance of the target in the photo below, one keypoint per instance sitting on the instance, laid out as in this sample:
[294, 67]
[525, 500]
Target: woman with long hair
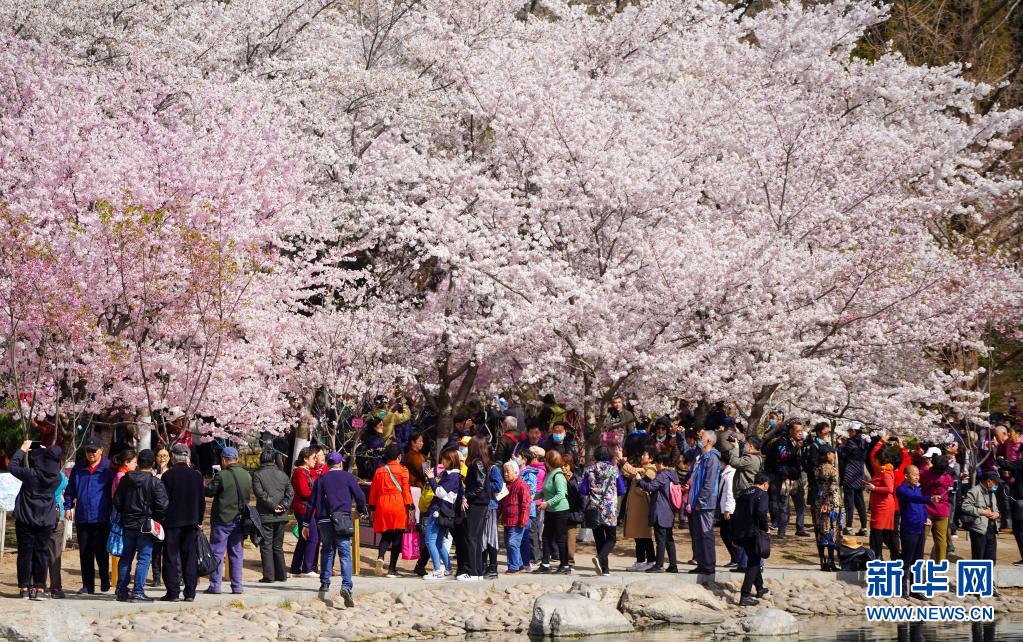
[443, 510]
[827, 508]
[476, 504]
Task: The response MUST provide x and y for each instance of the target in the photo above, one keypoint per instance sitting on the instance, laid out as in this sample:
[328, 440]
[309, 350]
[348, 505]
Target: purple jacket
[661, 512]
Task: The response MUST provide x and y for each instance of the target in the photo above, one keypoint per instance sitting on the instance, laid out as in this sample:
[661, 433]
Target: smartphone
[426, 468]
[36, 445]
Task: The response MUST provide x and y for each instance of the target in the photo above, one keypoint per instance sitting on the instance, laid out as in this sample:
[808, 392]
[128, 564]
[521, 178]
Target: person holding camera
[35, 514]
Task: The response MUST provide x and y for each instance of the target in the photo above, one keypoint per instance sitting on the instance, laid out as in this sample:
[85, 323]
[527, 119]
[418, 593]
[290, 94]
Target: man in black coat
[749, 521]
[182, 520]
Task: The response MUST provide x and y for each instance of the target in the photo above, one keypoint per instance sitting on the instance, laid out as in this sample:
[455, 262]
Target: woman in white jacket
[726, 504]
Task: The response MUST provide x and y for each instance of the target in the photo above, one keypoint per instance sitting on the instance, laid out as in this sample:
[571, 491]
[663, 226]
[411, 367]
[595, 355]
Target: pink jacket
[933, 484]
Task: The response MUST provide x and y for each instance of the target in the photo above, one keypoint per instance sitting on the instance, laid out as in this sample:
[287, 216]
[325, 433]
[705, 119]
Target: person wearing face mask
[980, 516]
[559, 439]
[745, 460]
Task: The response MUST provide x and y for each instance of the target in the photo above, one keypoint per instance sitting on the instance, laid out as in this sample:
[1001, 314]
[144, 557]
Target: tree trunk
[757, 412]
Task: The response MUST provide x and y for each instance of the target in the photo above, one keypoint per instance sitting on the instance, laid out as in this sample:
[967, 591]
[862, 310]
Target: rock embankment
[451, 610]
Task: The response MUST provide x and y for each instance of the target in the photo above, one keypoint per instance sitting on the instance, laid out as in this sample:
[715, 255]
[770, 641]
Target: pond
[857, 630]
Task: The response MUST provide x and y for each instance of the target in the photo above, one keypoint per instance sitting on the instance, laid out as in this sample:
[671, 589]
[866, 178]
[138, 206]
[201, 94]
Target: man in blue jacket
[703, 500]
[913, 531]
[88, 495]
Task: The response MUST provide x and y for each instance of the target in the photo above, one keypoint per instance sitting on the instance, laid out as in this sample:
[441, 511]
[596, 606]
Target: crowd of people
[525, 483]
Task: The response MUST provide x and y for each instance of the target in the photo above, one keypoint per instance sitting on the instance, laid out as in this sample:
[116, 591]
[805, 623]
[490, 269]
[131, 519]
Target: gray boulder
[668, 600]
[571, 614]
[768, 622]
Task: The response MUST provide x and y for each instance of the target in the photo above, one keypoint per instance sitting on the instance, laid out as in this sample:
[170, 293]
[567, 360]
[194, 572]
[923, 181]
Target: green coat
[554, 491]
[224, 491]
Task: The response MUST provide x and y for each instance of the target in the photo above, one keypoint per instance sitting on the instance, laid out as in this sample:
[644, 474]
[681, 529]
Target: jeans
[513, 544]
[135, 542]
[435, 535]
[536, 536]
[329, 543]
[33, 554]
[702, 524]
[92, 554]
[226, 539]
[527, 550]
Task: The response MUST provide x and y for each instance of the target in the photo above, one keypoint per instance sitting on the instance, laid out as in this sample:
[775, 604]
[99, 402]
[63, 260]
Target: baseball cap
[92, 443]
[181, 450]
[229, 452]
[932, 451]
[334, 458]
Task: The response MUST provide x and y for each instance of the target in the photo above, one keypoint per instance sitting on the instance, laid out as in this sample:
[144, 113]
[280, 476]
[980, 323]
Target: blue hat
[334, 458]
[230, 452]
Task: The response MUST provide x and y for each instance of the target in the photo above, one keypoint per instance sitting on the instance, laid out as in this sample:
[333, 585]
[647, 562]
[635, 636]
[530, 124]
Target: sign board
[9, 488]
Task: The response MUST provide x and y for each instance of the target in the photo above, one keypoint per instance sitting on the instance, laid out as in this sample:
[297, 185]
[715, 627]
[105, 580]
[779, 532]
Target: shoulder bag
[248, 517]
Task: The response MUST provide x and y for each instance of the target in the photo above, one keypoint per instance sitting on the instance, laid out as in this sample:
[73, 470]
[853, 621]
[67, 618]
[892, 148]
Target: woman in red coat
[302, 478]
[883, 504]
[390, 499]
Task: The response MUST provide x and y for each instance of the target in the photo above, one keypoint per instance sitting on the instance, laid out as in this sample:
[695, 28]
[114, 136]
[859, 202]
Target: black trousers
[604, 537]
[912, 550]
[664, 540]
[475, 523]
[645, 550]
[726, 538]
[180, 560]
[271, 551]
[460, 537]
[390, 541]
[555, 536]
[854, 499]
[983, 545]
[754, 576]
[886, 537]
[92, 549]
[33, 554]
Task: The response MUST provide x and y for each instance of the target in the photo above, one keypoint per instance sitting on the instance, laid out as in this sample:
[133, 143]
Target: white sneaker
[635, 567]
[648, 565]
[465, 577]
[435, 576]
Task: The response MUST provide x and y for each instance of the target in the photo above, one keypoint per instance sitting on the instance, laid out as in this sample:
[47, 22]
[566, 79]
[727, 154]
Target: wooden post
[356, 557]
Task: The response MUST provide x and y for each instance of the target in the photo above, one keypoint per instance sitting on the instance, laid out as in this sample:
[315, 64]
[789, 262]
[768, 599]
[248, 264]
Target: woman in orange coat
[883, 504]
[390, 499]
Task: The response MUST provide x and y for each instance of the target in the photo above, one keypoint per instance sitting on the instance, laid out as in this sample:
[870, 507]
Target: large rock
[769, 622]
[571, 614]
[766, 622]
[38, 623]
[668, 600]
